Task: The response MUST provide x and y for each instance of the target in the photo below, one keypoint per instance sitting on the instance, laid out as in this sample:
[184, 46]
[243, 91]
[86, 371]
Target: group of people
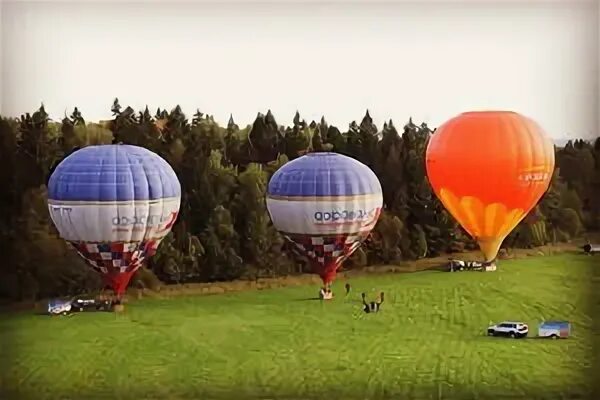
[368, 307]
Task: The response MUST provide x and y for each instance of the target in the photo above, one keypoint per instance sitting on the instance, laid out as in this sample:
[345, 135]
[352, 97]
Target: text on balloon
[534, 177]
[344, 216]
[140, 220]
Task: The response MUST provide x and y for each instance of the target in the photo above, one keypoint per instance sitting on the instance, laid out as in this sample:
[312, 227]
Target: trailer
[554, 329]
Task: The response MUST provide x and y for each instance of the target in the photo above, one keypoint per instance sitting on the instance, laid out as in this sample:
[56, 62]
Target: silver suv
[509, 328]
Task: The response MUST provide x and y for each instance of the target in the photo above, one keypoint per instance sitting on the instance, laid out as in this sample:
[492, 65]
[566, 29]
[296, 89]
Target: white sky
[425, 59]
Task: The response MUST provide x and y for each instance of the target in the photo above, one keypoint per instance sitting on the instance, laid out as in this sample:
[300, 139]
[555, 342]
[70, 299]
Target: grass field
[427, 342]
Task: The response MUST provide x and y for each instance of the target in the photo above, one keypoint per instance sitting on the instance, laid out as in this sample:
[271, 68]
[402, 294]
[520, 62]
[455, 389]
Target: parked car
[554, 329]
[509, 328]
[591, 249]
[461, 265]
[91, 304]
[78, 304]
[56, 307]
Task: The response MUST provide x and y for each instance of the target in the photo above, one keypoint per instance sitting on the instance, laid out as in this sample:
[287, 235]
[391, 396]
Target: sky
[429, 60]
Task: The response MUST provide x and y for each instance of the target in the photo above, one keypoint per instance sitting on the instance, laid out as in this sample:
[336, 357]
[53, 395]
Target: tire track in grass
[300, 344]
[457, 347]
[426, 327]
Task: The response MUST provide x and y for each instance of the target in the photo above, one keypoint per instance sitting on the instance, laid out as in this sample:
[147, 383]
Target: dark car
[90, 304]
[591, 249]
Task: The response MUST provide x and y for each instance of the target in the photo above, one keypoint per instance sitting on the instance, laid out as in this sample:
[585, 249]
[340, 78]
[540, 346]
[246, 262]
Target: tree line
[224, 231]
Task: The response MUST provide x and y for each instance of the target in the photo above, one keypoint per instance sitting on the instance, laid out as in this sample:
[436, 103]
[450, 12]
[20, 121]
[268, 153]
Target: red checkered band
[116, 257]
[327, 251]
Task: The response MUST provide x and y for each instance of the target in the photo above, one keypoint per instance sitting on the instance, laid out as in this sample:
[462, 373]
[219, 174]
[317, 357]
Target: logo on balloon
[530, 178]
[139, 220]
[335, 217]
[143, 222]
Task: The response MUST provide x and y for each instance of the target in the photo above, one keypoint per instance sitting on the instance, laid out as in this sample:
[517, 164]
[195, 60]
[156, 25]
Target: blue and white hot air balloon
[326, 204]
[114, 204]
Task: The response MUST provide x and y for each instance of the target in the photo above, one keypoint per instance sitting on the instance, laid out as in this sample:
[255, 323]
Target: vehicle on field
[511, 329]
[79, 304]
[91, 304]
[59, 307]
[461, 265]
[591, 249]
[554, 329]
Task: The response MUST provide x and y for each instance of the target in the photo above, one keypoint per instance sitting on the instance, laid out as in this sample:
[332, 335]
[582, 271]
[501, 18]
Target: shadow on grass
[42, 313]
[341, 299]
[69, 314]
[309, 299]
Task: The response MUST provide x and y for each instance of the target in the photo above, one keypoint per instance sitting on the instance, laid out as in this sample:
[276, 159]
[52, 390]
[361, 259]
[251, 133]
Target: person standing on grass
[373, 306]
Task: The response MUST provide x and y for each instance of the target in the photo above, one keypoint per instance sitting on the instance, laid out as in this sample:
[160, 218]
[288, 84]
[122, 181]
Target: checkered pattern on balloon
[116, 261]
[326, 252]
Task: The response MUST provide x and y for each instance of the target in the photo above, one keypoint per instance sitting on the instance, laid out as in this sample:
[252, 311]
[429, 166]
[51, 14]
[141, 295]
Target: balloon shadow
[308, 299]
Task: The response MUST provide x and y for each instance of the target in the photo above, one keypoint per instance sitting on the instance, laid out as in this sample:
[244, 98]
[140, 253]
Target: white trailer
[554, 329]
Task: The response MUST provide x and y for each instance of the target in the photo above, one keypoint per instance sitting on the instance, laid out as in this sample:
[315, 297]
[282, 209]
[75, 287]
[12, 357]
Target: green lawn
[427, 342]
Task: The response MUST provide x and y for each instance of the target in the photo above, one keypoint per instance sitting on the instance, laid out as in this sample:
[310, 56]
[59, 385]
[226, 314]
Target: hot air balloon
[325, 204]
[489, 169]
[114, 204]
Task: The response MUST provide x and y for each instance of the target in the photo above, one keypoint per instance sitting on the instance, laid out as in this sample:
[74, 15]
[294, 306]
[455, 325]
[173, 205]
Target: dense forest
[224, 231]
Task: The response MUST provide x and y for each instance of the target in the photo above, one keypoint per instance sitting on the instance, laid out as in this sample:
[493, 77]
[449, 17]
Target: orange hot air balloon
[489, 169]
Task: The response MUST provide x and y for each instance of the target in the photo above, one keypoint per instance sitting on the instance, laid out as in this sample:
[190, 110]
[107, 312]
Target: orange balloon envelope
[489, 169]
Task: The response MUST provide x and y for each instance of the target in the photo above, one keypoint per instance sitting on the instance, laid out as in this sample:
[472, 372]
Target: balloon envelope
[114, 204]
[325, 204]
[489, 169]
